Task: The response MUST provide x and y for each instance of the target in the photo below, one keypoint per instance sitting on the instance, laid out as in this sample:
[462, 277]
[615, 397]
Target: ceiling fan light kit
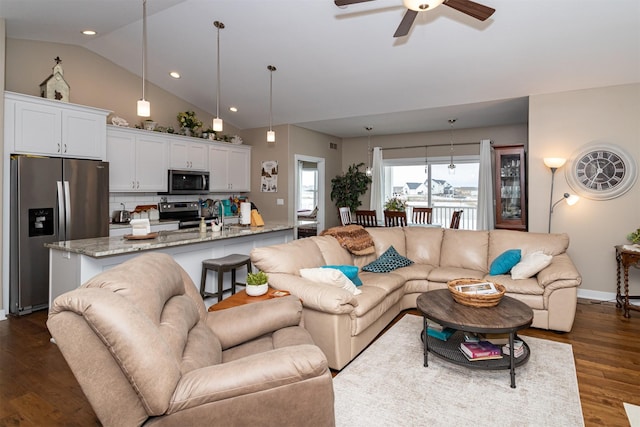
[468, 7]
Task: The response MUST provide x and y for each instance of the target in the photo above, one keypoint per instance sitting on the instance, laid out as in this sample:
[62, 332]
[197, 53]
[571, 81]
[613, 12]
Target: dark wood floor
[38, 389]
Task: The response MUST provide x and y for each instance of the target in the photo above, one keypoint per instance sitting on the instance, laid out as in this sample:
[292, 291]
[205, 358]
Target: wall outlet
[279, 202]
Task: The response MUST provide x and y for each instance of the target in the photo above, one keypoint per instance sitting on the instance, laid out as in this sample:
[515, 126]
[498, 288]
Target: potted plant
[257, 283]
[634, 237]
[395, 204]
[347, 188]
[189, 122]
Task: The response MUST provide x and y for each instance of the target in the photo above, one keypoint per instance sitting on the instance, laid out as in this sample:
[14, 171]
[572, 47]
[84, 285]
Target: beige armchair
[145, 351]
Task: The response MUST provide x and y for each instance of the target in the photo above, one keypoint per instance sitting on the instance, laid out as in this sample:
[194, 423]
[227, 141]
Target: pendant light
[217, 122]
[368, 171]
[452, 167]
[144, 107]
[271, 135]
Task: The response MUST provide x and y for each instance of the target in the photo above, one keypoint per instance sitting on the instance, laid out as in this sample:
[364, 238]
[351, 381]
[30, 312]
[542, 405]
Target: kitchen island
[73, 262]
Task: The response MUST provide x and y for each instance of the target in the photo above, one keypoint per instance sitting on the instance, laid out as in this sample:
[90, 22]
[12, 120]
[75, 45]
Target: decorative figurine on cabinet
[55, 86]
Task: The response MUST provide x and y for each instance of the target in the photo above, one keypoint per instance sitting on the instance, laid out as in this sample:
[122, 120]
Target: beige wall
[311, 143]
[560, 124]
[94, 81]
[355, 149]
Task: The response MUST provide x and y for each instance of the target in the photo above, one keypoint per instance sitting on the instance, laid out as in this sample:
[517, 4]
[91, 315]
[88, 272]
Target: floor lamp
[553, 163]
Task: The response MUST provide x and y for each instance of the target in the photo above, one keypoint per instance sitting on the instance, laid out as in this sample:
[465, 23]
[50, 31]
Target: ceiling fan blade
[348, 2]
[406, 23]
[470, 8]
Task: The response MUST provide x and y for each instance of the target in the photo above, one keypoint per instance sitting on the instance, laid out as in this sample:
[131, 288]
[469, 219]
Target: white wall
[560, 124]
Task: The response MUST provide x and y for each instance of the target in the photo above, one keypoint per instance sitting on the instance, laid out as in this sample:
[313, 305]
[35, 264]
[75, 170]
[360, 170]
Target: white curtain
[377, 190]
[485, 188]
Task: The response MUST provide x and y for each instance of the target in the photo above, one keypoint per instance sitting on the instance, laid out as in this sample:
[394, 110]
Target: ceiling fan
[475, 10]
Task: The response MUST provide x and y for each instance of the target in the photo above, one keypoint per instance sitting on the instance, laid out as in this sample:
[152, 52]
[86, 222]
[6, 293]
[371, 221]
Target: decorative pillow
[351, 271]
[388, 261]
[330, 276]
[505, 262]
[530, 265]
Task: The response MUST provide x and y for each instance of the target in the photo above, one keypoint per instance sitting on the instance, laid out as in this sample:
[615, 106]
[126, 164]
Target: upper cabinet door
[188, 155]
[230, 168]
[53, 128]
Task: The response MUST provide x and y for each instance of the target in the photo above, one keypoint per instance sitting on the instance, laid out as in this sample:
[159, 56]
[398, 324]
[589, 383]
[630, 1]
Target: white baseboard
[601, 296]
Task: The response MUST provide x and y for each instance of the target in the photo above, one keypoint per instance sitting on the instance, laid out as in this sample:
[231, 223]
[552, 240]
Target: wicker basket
[475, 300]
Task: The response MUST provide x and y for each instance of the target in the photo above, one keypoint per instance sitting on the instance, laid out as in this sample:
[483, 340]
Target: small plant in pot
[257, 283]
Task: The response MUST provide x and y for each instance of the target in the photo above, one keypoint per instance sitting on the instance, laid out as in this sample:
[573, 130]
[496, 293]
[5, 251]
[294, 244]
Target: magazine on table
[484, 288]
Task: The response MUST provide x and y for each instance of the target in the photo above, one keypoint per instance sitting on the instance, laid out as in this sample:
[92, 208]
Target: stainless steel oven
[188, 182]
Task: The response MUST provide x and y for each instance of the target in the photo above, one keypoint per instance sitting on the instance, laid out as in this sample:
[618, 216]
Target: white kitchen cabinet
[230, 168]
[52, 128]
[137, 160]
[188, 155]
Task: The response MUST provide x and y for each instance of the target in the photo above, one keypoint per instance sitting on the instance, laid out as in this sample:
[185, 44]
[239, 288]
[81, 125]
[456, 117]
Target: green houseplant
[257, 283]
[634, 237]
[347, 188]
[395, 204]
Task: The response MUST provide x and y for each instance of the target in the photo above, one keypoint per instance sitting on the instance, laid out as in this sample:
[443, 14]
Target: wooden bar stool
[220, 266]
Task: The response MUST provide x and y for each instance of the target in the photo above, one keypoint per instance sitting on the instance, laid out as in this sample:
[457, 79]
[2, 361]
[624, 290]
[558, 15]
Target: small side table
[625, 259]
[241, 298]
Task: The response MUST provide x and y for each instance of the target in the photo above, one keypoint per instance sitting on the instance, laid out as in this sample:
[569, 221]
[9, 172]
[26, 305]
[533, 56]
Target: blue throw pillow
[505, 262]
[388, 261]
[351, 271]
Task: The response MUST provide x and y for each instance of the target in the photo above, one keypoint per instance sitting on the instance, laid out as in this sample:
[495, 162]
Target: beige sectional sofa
[343, 324]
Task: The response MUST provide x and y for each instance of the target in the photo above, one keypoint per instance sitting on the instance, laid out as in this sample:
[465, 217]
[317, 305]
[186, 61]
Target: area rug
[387, 385]
[633, 413]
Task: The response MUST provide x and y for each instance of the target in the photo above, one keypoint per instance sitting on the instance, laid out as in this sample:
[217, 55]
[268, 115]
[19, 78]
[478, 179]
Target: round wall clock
[601, 171]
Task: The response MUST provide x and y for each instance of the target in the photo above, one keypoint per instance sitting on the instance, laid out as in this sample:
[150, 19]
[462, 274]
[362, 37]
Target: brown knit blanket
[353, 238]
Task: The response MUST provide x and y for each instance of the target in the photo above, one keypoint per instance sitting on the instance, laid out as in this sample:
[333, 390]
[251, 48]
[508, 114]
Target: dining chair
[422, 215]
[395, 219]
[455, 219]
[345, 216]
[367, 218]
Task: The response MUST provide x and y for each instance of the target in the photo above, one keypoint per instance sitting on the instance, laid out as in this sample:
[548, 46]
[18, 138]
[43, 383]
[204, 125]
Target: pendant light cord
[271, 69]
[218, 26]
[144, 45]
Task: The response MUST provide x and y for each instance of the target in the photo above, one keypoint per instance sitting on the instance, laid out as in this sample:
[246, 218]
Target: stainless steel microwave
[188, 182]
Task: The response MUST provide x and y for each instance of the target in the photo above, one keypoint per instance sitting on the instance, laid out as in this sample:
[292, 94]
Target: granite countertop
[115, 226]
[109, 246]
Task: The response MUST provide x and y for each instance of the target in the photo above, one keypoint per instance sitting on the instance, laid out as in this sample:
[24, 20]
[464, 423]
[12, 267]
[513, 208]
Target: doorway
[309, 197]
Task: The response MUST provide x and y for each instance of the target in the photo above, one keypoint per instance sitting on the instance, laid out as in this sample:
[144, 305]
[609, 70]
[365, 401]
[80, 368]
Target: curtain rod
[429, 146]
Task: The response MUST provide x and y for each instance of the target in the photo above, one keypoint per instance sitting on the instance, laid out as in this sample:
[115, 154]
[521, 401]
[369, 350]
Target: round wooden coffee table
[509, 316]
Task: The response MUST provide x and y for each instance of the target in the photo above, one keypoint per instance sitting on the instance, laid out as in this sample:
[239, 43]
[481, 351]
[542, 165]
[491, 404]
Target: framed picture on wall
[269, 176]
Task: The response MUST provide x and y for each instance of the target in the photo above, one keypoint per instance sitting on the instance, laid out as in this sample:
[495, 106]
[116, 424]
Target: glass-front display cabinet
[510, 187]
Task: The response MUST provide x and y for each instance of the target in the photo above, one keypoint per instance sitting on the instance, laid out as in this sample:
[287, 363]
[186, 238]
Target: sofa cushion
[285, 257]
[330, 276]
[501, 240]
[423, 244]
[505, 262]
[389, 282]
[444, 274]
[351, 271]
[385, 237]
[466, 249]
[414, 271]
[525, 287]
[388, 261]
[332, 251]
[530, 265]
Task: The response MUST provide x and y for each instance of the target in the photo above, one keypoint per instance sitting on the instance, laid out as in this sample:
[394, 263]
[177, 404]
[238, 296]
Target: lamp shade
[144, 108]
[217, 125]
[572, 199]
[554, 162]
[271, 136]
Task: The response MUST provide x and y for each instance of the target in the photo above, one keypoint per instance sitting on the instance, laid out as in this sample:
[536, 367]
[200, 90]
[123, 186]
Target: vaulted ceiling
[340, 69]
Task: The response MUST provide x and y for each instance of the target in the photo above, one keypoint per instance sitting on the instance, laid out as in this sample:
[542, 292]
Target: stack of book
[481, 350]
[438, 331]
[518, 348]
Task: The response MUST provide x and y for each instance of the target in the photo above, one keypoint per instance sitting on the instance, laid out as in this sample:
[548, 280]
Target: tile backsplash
[131, 200]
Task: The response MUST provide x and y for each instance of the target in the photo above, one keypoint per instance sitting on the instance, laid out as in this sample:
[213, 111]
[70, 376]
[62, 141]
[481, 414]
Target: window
[308, 195]
[431, 185]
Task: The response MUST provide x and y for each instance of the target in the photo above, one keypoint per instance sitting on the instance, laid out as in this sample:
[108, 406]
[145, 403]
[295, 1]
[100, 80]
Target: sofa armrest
[318, 296]
[251, 374]
[240, 324]
[561, 273]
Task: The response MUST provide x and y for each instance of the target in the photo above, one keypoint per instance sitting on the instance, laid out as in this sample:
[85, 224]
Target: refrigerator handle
[61, 214]
[67, 211]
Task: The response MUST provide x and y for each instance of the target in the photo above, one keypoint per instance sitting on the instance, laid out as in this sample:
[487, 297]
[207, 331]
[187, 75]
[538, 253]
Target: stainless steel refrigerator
[52, 200]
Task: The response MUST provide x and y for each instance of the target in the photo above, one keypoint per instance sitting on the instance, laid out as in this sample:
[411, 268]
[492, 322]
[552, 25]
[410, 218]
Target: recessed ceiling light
[234, 109]
[89, 32]
[175, 74]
